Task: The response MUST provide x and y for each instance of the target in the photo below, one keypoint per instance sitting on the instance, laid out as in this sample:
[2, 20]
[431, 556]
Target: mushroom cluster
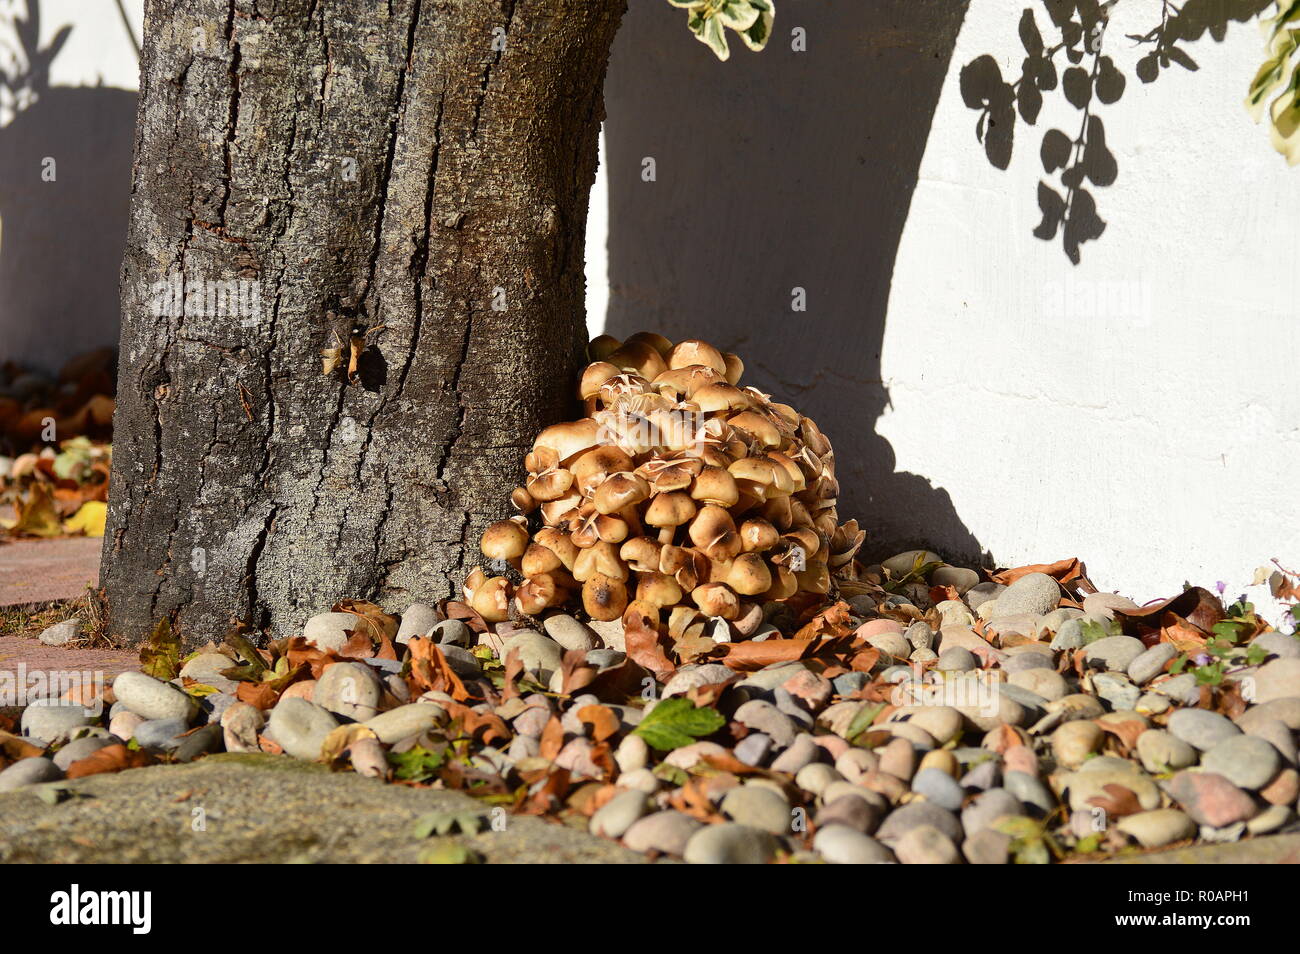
[681, 496]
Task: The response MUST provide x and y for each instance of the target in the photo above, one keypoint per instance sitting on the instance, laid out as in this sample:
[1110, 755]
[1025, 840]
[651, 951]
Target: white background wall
[1140, 410]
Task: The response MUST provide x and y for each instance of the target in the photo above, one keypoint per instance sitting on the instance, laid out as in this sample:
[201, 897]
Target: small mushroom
[668, 512]
[601, 347]
[716, 599]
[714, 485]
[505, 540]
[720, 397]
[595, 375]
[492, 600]
[714, 533]
[547, 480]
[570, 439]
[538, 593]
[658, 589]
[604, 598]
[639, 357]
[694, 351]
[599, 559]
[758, 535]
[559, 543]
[759, 427]
[595, 467]
[522, 500]
[749, 575]
[641, 553]
[735, 367]
[654, 340]
[620, 490]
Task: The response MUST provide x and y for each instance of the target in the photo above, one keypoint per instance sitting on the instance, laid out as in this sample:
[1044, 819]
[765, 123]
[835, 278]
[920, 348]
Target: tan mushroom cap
[595, 466]
[716, 599]
[694, 351]
[641, 553]
[713, 485]
[604, 597]
[624, 489]
[560, 510]
[505, 539]
[749, 575]
[492, 599]
[522, 500]
[538, 593]
[640, 358]
[601, 346]
[686, 382]
[714, 533]
[654, 340]
[720, 398]
[758, 535]
[569, 439]
[760, 428]
[601, 558]
[658, 589]
[593, 376]
[735, 367]
[668, 512]
[559, 543]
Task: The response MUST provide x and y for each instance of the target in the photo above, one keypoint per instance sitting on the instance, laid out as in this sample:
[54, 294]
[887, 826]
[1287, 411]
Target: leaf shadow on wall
[778, 171]
[1079, 68]
[65, 185]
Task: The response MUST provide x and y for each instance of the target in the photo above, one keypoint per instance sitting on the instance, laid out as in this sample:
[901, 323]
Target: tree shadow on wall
[65, 184]
[1078, 68]
[777, 171]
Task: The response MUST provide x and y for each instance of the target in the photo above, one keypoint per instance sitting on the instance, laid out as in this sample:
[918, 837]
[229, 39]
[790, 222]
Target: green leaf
[161, 656]
[863, 720]
[738, 15]
[444, 823]
[416, 764]
[448, 851]
[676, 722]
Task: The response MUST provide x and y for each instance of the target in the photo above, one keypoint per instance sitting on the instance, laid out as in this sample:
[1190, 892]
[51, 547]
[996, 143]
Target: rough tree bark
[420, 165]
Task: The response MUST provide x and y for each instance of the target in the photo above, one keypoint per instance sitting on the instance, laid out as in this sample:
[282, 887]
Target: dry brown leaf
[604, 723]
[111, 758]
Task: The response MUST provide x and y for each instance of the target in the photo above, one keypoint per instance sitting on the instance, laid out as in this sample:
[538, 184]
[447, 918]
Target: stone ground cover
[928, 716]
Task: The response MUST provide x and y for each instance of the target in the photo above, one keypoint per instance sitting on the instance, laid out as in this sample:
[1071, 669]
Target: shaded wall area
[65, 181]
[780, 171]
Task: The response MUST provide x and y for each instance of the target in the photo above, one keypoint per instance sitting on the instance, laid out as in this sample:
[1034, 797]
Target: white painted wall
[1140, 410]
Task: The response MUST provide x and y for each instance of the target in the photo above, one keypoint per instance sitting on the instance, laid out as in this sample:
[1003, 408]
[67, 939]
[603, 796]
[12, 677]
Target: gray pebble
[617, 815]
[1151, 663]
[29, 771]
[299, 727]
[842, 845]
[938, 787]
[1201, 728]
[987, 808]
[730, 844]
[46, 722]
[667, 832]
[758, 807]
[1114, 653]
[160, 735]
[1246, 761]
[153, 698]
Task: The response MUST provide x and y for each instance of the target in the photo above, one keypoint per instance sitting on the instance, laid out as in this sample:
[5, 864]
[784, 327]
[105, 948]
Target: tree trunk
[416, 166]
